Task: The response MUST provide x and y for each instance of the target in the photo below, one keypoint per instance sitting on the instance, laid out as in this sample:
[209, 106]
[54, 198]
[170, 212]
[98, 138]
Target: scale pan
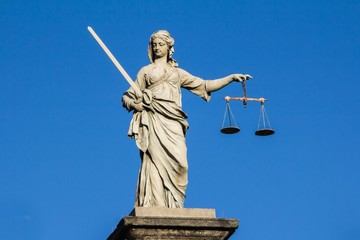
[230, 130]
[264, 132]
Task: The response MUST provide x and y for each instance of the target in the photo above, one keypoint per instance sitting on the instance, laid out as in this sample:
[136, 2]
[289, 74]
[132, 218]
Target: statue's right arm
[129, 99]
[130, 102]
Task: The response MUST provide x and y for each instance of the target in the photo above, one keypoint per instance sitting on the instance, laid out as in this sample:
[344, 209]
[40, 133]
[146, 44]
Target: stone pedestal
[179, 224]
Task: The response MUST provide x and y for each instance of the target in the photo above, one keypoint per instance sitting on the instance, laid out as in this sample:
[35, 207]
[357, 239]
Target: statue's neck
[161, 61]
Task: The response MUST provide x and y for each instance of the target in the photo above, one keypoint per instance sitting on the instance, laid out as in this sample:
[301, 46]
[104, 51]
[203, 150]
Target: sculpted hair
[166, 37]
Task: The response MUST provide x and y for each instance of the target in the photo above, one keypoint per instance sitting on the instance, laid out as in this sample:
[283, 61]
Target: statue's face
[159, 48]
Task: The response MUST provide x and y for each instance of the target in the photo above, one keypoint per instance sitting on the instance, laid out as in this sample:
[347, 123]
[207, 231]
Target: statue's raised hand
[241, 77]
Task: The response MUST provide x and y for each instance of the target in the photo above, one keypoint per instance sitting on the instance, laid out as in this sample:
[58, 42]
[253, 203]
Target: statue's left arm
[217, 84]
[204, 88]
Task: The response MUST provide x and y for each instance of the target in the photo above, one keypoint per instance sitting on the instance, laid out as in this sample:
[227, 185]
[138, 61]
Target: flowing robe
[159, 131]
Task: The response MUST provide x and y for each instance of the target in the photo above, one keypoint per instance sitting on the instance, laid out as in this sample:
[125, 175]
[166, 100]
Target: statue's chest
[156, 74]
[159, 75]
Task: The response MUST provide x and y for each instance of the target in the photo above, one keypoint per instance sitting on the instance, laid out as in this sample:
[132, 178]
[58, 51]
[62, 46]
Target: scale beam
[261, 100]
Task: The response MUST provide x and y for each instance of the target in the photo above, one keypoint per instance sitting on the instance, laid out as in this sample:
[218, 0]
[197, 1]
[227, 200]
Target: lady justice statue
[159, 125]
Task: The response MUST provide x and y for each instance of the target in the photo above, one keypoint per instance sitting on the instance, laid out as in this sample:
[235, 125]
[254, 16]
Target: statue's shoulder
[141, 75]
[181, 71]
[146, 68]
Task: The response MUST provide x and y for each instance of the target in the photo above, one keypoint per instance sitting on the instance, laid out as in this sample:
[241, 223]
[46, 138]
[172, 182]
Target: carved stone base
[188, 224]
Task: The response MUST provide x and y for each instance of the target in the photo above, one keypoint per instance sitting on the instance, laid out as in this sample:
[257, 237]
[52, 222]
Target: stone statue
[159, 125]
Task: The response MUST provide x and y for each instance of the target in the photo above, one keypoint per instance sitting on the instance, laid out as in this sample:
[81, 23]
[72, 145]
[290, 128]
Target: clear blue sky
[68, 169]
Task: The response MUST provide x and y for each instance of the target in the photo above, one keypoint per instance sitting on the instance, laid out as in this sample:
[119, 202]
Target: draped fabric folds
[159, 131]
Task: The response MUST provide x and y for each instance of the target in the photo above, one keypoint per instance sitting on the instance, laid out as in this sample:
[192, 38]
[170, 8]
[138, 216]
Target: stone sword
[117, 64]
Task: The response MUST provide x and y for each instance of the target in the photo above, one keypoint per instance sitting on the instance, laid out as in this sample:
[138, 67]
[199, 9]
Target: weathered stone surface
[173, 227]
[173, 212]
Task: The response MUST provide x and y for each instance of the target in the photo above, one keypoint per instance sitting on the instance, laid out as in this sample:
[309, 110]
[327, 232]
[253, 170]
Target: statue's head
[166, 37]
